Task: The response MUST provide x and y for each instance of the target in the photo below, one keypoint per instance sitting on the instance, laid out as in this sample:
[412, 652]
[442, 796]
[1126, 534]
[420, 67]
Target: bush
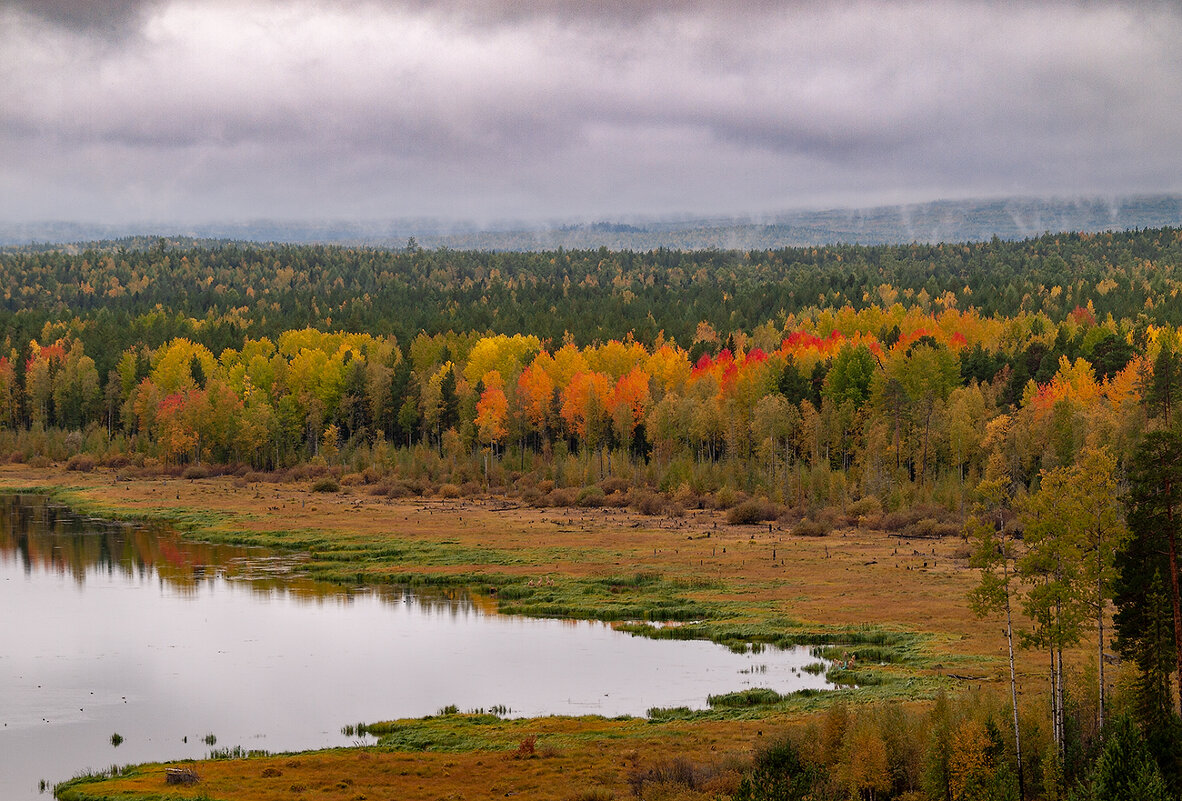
[864, 507]
[449, 491]
[83, 463]
[326, 485]
[616, 500]
[589, 497]
[752, 511]
[927, 528]
[195, 471]
[648, 503]
[613, 484]
[726, 497]
[562, 497]
[687, 498]
[812, 528]
[117, 460]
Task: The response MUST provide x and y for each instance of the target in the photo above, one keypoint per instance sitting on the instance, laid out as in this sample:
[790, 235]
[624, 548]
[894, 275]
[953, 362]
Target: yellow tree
[501, 353]
[864, 768]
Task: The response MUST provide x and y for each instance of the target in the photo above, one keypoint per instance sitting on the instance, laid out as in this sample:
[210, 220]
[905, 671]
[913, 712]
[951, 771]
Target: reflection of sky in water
[136, 631]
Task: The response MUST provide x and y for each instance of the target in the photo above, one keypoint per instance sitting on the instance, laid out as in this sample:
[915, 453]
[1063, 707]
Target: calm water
[107, 629]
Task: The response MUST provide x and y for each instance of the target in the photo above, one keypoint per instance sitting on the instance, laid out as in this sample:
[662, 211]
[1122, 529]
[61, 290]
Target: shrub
[470, 489]
[614, 484]
[616, 500]
[812, 528]
[449, 491]
[864, 507]
[589, 497]
[326, 485]
[117, 460]
[726, 497]
[927, 528]
[195, 471]
[398, 489]
[527, 749]
[688, 498]
[648, 503]
[562, 497]
[83, 463]
[752, 511]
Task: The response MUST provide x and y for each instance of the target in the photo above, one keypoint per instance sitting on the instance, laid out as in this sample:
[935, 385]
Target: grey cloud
[103, 17]
[394, 107]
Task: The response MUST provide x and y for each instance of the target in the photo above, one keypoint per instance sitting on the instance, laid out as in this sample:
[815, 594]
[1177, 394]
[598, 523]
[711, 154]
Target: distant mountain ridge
[939, 221]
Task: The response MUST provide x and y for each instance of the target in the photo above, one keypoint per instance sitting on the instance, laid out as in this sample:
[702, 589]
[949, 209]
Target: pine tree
[1125, 769]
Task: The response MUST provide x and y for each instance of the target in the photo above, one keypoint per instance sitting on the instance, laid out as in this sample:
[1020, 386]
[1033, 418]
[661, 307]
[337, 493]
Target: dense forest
[142, 292]
[1011, 390]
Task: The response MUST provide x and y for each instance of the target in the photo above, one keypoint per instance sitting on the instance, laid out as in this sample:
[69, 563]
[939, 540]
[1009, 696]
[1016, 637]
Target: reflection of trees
[48, 537]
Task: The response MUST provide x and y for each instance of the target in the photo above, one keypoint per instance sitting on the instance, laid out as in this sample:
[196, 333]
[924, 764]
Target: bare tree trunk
[1062, 710]
[1100, 625]
[1054, 704]
[1013, 674]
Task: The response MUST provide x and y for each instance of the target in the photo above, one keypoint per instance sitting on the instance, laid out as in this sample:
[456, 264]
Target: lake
[131, 629]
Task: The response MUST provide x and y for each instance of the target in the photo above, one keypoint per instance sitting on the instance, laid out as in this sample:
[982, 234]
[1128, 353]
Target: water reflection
[48, 536]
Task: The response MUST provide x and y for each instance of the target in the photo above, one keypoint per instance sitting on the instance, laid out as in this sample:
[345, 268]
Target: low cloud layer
[164, 110]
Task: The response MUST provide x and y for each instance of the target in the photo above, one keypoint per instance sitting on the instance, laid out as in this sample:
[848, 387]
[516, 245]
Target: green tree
[1125, 769]
[1102, 523]
[1052, 568]
[849, 377]
[1147, 585]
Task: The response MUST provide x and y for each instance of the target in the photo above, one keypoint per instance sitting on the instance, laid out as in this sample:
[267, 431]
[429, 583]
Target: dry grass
[596, 754]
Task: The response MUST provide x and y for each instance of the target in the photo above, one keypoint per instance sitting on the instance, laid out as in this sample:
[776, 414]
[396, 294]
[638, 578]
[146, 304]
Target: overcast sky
[170, 110]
